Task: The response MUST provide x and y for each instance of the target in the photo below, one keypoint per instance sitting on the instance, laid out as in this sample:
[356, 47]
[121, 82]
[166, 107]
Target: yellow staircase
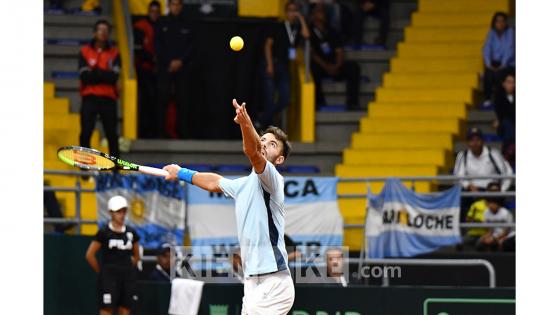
[62, 128]
[422, 105]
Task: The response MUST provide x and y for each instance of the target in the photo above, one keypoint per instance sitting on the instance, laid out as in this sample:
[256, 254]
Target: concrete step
[379, 140]
[444, 125]
[368, 55]
[335, 99]
[440, 34]
[73, 20]
[337, 127]
[61, 51]
[462, 6]
[51, 64]
[339, 87]
[67, 84]
[320, 154]
[434, 110]
[73, 96]
[389, 157]
[396, 80]
[417, 65]
[439, 50]
[451, 95]
[72, 32]
[479, 19]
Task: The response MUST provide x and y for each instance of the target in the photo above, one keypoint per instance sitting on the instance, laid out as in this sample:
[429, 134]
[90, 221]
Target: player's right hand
[172, 169]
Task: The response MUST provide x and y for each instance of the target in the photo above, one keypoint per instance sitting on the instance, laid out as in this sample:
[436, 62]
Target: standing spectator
[279, 50]
[173, 46]
[99, 67]
[499, 54]
[504, 105]
[495, 213]
[328, 60]
[378, 9]
[144, 60]
[120, 254]
[479, 160]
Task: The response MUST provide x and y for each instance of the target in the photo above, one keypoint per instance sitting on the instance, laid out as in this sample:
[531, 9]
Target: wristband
[186, 175]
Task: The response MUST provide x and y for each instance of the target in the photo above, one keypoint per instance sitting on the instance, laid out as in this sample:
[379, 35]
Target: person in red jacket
[144, 59]
[99, 67]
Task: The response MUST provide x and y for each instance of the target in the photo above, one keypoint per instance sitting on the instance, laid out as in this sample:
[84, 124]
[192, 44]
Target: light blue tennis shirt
[259, 211]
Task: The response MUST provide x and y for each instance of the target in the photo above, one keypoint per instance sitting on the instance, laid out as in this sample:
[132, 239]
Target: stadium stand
[422, 105]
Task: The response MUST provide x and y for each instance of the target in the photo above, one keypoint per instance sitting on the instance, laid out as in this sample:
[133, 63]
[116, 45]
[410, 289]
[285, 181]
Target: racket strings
[85, 159]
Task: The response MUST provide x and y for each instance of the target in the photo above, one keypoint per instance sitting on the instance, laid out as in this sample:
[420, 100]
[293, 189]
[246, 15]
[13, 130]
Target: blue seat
[233, 168]
[308, 169]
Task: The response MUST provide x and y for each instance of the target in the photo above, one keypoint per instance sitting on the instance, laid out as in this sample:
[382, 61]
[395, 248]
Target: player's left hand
[173, 170]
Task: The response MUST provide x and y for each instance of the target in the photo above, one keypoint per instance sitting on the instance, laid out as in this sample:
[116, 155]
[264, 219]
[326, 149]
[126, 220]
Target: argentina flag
[157, 208]
[402, 223]
[312, 215]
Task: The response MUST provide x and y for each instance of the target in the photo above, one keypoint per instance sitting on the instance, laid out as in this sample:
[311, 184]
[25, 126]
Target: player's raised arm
[251, 139]
[206, 181]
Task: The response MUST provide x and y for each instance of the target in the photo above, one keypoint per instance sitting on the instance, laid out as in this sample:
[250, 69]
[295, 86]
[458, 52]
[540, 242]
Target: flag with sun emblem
[157, 208]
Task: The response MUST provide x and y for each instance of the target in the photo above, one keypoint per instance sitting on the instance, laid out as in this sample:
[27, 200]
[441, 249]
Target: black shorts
[116, 286]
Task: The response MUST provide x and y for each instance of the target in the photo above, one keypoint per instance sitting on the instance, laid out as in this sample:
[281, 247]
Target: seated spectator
[328, 60]
[499, 54]
[378, 9]
[504, 105]
[476, 215]
[479, 160]
[162, 271]
[279, 50]
[495, 213]
[145, 63]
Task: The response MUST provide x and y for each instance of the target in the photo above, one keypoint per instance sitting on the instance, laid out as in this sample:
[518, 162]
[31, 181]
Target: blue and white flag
[312, 215]
[157, 207]
[402, 223]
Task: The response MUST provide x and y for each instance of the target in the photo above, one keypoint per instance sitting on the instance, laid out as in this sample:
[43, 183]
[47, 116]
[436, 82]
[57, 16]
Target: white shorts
[268, 295]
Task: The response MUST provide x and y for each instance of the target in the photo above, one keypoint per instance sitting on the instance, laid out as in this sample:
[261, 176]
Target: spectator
[144, 59]
[476, 215]
[162, 272]
[504, 105]
[335, 267]
[328, 60]
[479, 160]
[173, 46]
[280, 49]
[495, 213]
[378, 9]
[499, 54]
[120, 254]
[99, 67]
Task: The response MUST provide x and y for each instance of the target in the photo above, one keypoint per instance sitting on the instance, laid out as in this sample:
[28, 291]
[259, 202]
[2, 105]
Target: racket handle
[153, 171]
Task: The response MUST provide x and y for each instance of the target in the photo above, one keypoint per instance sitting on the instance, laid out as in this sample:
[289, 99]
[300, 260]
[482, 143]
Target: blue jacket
[500, 48]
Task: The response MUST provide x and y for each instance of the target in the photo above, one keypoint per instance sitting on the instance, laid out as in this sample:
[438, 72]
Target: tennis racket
[91, 159]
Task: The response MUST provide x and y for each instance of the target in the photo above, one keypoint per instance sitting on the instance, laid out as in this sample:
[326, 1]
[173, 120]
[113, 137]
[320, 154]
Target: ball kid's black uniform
[117, 279]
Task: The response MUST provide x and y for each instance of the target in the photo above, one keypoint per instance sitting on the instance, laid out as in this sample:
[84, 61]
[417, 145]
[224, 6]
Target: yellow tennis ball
[236, 43]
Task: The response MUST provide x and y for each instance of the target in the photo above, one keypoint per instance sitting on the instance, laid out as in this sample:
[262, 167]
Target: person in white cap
[120, 254]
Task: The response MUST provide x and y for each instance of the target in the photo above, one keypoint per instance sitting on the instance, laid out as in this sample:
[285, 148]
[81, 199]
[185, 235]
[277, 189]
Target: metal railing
[443, 178]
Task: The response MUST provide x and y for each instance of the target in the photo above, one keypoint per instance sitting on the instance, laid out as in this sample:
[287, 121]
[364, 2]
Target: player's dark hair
[99, 22]
[496, 16]
[154, 3]
[283, 137]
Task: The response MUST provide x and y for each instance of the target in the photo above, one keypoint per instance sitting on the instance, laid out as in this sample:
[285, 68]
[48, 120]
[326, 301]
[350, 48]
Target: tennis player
[259, 210]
